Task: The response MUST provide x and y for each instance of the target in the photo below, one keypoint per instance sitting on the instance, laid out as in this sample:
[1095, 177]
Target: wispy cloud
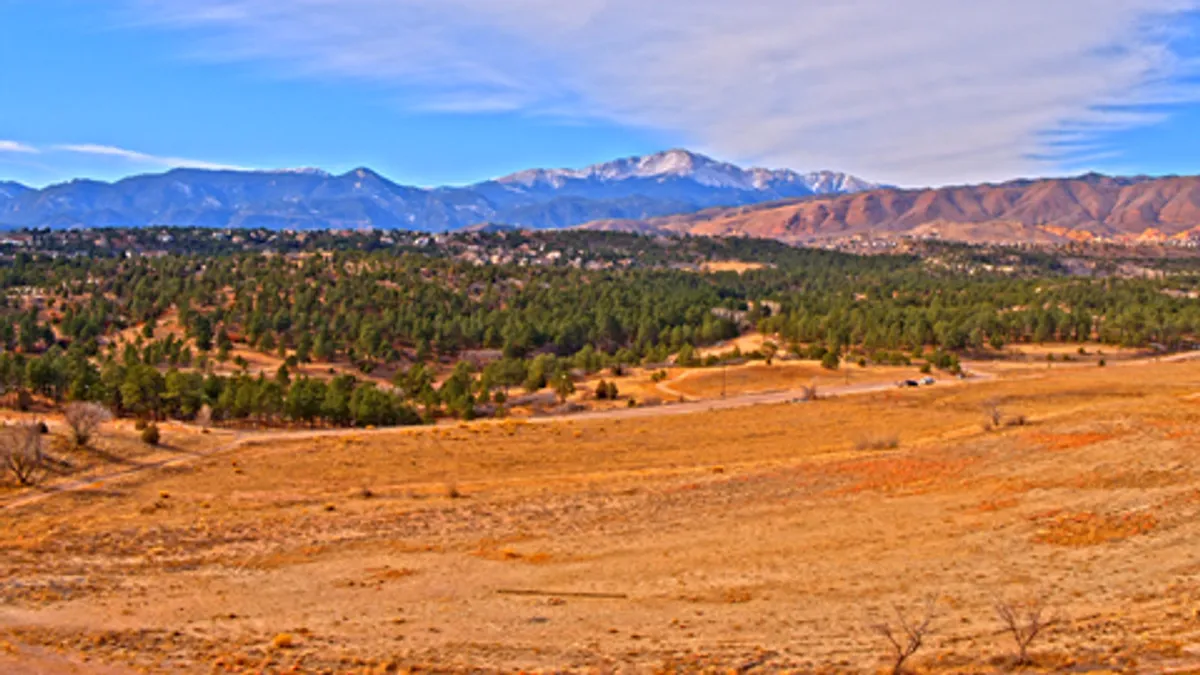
[922, 91]
[141, 158]
[15, 146]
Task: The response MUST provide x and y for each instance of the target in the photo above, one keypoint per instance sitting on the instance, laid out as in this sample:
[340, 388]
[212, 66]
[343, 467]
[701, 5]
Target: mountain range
[1088, 208]
[672, 182]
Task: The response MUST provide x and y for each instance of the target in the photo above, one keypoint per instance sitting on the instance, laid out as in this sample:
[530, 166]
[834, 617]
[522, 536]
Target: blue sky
[935, 92]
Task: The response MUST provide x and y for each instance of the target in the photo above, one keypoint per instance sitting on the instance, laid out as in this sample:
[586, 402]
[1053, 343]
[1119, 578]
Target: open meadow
[764, 538]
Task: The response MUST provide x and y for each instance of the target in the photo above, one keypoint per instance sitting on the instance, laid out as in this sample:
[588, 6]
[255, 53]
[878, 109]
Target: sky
[436, 92]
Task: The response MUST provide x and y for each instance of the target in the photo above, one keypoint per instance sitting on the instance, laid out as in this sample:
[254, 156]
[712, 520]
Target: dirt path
[84, 483]
[257, 438]
[684, 408]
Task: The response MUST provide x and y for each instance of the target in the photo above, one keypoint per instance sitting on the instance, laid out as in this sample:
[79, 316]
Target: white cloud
[15, 146]
[141, 157]
[921, 91]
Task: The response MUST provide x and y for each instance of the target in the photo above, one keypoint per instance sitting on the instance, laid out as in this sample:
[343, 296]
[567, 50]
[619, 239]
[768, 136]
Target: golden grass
[741, 267]
[724, 535]
[780, 376]
[1087, 528]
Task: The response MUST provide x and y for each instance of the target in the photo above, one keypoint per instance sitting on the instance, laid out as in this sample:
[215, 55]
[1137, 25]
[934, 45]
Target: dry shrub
[1061, 442]
[84, 419]
[1092, 529]
[204, 416]
[1016, 421]
[151, 435]
[283, 641]
[905, 636]
[808, 393]
[1024, 621]
[21, 453]
[995, 418]
[886, 441]
[992, 414]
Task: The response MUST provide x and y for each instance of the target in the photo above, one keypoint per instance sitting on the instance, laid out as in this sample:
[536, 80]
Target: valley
[506, 451]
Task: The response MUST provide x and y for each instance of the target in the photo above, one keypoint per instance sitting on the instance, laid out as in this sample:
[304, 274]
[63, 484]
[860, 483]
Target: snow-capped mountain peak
[684, 164]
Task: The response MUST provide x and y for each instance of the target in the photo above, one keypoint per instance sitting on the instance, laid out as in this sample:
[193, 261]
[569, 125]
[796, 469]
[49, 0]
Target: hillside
[634, 188]
[1085, 208]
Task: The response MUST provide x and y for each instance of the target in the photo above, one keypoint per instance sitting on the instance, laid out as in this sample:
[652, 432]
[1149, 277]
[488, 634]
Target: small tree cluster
[607, 391]
[564, 386]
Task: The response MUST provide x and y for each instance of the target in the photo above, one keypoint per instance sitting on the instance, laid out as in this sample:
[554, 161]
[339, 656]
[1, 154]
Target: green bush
[830, 361]
[150, 435]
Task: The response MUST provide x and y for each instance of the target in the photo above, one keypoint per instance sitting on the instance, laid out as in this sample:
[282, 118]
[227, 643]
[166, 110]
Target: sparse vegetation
[995, 417]
[883, 441]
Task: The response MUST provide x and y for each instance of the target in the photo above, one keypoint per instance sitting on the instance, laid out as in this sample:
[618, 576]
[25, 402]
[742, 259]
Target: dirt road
[683, 408]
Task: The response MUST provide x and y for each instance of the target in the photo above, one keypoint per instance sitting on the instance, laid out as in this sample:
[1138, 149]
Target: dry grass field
[761, 539]
[758, 377]
[739, 266]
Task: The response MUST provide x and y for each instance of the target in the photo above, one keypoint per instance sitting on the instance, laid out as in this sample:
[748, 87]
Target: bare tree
[908, 635]
[84, 419]
[1024, 621]
[21, 453]
[995, 416]
[204, 416]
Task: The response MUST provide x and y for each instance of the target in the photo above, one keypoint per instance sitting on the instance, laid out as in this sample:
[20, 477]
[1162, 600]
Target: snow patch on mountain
[683, 164]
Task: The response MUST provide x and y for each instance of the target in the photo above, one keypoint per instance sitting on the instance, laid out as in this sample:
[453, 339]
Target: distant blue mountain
[10, 190]
[666, 183]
